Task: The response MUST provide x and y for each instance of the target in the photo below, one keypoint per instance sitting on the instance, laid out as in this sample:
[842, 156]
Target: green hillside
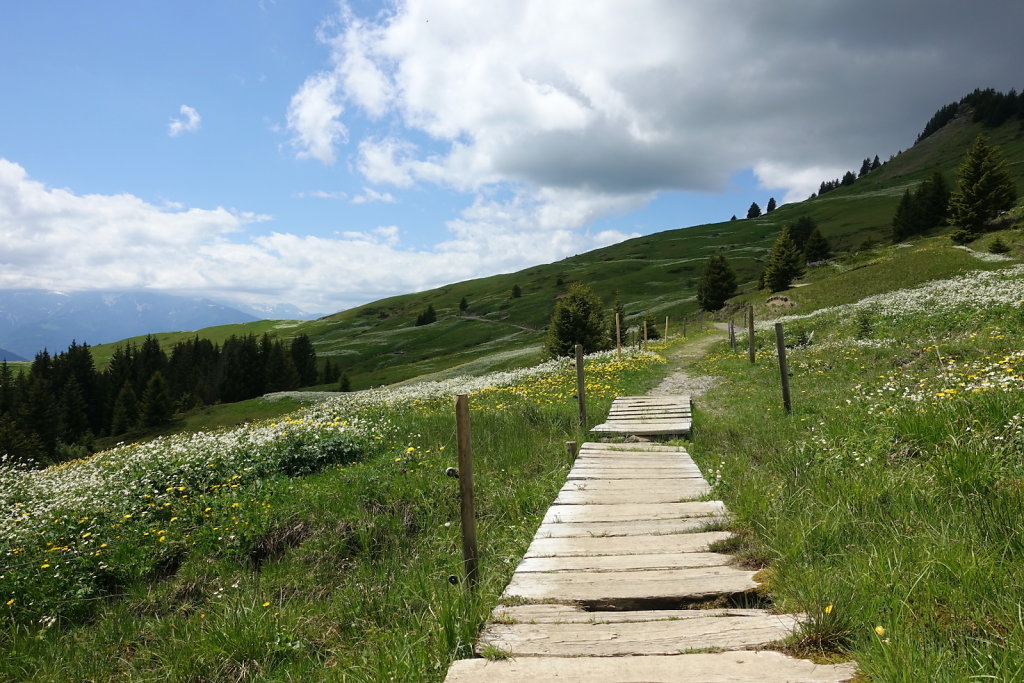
[379, 343]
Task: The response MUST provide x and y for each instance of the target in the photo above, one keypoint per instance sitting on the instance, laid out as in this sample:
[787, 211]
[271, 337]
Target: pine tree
[157, 407]
[801, 229]
[578, 318]
[771, 205]
[848, 179]
[876, 164]
[344, 383]
[865, 168]
[304, 358]
[817, 247]
[516, 291]
[754, 211]
[463, 306]
[19, 445]
[717, 284]
[785, 263]
[72, 415]
[125, 412]
[984, 188]
[905, 221]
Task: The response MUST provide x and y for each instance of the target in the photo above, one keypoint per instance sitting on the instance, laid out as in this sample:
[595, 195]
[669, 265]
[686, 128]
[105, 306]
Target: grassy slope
[378, 343]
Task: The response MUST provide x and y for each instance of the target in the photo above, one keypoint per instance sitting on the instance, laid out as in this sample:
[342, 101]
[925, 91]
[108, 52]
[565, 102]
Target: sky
[325, 154]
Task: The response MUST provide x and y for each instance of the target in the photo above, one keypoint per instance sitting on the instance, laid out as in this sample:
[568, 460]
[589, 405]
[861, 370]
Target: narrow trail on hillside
[682, 380]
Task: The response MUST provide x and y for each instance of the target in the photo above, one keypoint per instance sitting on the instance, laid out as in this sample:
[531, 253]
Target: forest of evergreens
[52, 411]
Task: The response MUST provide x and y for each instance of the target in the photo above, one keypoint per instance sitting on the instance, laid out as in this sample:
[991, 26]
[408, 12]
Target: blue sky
[325, 154]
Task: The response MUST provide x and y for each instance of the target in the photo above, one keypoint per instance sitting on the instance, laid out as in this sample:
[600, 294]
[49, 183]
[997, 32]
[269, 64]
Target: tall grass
[889, 505]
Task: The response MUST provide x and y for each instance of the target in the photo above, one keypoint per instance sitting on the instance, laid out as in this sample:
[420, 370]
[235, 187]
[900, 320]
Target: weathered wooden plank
[697, 489]
[697, 542]
[628, 587]
[733, 666]
[623, 562]
[625, 512]
[662, 637]
[551, 613]
[650, 527]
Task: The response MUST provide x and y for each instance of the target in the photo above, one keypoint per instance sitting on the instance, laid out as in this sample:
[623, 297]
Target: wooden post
[750, 332]
[618, 334]
[580, 386]
[780, 342]
[570, 449]
[732, 335]
[470, 554]
[645, 331]
[666, 328]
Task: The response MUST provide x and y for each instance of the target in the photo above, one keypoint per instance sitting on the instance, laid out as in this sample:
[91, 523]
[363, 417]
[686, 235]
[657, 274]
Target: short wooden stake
[666, 327]
[732, 335]
[570, 449]
[645, 331]
[470, 554]
[780, 342]
[580, 386]
[618, 334]
[750, 333]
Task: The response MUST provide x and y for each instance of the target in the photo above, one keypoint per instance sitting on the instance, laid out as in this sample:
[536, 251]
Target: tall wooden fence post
[470, 556]
[580, 386]
[645, 331]
[780, 342]
[618, 334]
[750, 332]
[732, 335]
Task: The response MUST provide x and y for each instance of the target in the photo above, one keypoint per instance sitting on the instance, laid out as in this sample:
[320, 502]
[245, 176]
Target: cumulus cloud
[313, 115]
[188, 123]
[57, 239]
[370, 196]
[667, 95]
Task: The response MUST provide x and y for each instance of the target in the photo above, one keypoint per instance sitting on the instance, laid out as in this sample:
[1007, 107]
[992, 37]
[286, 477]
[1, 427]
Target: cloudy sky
[325, 154]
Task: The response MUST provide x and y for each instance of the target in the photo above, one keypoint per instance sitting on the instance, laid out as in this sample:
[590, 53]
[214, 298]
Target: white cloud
[56, 239]
[313, 118]
[321, 194]
[188, 123]
[370, 196]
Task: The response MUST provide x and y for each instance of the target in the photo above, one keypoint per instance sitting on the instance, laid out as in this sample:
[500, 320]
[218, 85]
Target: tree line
[53, 410]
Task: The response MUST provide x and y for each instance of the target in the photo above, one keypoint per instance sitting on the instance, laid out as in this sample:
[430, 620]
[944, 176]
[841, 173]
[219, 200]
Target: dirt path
[682, 380]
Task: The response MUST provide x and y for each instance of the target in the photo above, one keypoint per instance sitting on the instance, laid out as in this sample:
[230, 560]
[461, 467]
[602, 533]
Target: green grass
[888, 505]
[342, 574]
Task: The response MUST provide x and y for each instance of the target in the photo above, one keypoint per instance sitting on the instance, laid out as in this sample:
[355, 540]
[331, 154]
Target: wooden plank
[742, 666]
[652, 527]
[549, 613]
[602, 563]
[626, 512]
[698, 489]
[693, 631]
[697, 542]
[631, 586]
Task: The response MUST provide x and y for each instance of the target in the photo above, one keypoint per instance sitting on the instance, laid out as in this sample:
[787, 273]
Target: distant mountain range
[31, 320]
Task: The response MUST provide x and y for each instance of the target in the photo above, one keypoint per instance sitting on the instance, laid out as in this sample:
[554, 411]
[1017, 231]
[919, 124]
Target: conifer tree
[578, 318]
[984, 188]
[344, 383]
[157, 407]
[785, 263]
[876, 164]
[125, 412]
[905, 221]
[817, 247]
[72, 416]
[304, 357]
[516, 291]
[848, 179]
[463, 306]
[771, 205]
[717, 284]
[801, 229]
[754, 211]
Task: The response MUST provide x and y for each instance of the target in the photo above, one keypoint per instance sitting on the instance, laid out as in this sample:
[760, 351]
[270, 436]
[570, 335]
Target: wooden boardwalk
[620, 584]
[647, 416]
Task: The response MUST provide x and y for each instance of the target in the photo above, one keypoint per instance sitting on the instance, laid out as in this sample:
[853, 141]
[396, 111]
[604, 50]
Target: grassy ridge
[888, 505]
[378, 343]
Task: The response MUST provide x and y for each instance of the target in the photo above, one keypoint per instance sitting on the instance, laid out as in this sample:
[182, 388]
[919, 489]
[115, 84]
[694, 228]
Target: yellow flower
[880, 630]
[266, 604]
[10, 602]
[45, 565]
[828, 610]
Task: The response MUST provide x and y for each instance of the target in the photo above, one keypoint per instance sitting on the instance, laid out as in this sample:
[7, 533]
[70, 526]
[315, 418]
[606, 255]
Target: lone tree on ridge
[578, 318]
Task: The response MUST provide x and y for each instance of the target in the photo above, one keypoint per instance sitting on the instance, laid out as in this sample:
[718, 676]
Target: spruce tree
[126, 411]
[905, 221]
[344, 383]
[463, 306]
[578, 318]
[984, 188]
[771, 205]
[157, 407]
[785, 263]
[817, 247]
[754, 211]
[717, 284]
[801, 230]
[516, 291]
